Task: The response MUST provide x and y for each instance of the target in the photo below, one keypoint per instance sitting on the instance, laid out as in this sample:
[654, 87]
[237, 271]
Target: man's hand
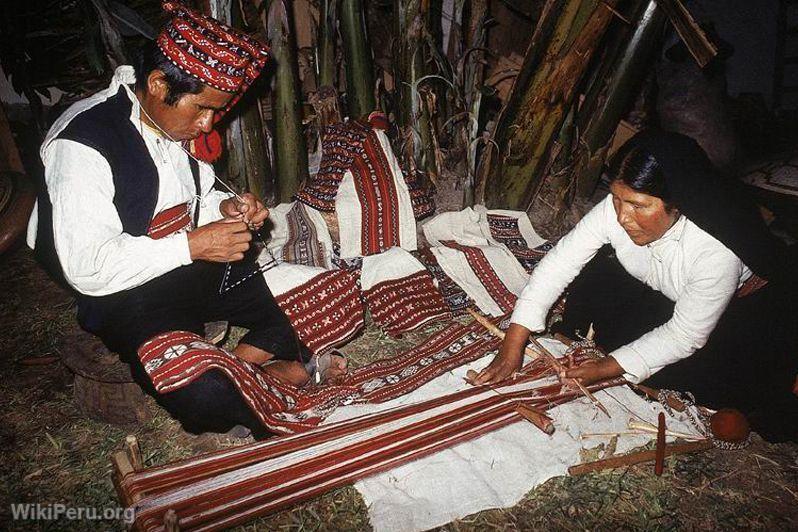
[509, 359]
[595, 370]
[222, 241]
[247, 209]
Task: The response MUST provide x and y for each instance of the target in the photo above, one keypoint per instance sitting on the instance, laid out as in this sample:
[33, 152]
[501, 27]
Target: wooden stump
[104, 388]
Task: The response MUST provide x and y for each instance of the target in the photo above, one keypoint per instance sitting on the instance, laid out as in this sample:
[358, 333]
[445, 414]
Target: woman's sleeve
[561, 265]
[96, 255]
[709, 288]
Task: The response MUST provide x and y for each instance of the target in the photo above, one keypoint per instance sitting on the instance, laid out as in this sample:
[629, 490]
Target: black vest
[107, 128]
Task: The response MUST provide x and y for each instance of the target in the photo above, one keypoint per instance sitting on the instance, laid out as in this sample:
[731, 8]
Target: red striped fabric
[401, 305]
[482, 268]
[174, 359]
[170, 221]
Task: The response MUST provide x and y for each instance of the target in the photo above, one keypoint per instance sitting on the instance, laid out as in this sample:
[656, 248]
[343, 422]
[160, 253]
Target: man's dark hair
[180, 83]
[640, 171]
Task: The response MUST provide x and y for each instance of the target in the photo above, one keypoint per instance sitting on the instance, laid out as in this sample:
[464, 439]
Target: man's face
[190, 116]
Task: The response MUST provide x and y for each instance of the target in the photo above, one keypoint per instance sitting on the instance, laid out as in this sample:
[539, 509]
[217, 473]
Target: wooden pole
[639, 457]
[659, 453]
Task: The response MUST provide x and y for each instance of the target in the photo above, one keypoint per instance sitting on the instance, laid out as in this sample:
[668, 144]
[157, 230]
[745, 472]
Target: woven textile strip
[401, 305]
[505, 229]
[354, 147]
[454, 296]
[423, 202]
[378, 198]
[341, 144]
[325, 311]
[174, 359]
[497, 290]
[231, 486]
[170, 221]
[303, 245]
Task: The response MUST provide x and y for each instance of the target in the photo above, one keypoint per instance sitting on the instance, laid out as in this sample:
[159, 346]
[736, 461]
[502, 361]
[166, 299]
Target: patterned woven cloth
[175, 359]
[299, 235]
[324, 307]
[490, 275]
[360, 179]
[399, 292]
[481, 227]
[514, 230]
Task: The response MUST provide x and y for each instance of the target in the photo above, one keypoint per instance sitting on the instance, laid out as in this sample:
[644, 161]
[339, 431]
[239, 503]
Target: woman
[704, 304]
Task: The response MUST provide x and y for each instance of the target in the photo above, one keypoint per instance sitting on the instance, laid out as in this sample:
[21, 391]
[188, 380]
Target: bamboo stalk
[547, 356]
[358, 59]
[542, 94]
[325, 51]
[639, 457]
[690, 32]
[290, 151]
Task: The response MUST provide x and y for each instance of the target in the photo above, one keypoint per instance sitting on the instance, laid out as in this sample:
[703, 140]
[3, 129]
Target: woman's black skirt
[750, 361]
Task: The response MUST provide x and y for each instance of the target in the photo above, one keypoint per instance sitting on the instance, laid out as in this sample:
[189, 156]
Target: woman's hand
[595, 370]
[509, 359]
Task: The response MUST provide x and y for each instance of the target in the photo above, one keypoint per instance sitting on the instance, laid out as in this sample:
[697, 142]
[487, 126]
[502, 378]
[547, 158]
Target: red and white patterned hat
[218, 55]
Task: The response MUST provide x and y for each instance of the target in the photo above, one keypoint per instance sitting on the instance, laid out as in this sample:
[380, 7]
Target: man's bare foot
[331, 366]
[288, 371]
[252, 354]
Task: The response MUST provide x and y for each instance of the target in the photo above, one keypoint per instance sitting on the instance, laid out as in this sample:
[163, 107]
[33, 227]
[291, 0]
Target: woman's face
[642, 216]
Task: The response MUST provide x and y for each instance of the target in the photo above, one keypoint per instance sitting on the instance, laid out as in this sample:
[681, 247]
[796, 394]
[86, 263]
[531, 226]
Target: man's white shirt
[97, 256]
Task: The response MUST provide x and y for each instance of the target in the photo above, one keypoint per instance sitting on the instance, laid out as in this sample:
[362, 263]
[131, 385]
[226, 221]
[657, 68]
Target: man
[148, 245]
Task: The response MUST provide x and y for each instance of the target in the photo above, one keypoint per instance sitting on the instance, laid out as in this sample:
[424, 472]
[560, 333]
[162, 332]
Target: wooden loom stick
[547, 356]
[659, 458]
[536, 417]
[639, 457]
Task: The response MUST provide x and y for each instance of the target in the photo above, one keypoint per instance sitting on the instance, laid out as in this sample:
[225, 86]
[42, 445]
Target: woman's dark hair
[180, 83]
[640, 171]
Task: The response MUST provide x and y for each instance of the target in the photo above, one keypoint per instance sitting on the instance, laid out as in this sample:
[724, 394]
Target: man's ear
[157, 85]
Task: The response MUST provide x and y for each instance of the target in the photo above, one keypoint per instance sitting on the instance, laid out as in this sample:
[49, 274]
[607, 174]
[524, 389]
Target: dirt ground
[51, 453]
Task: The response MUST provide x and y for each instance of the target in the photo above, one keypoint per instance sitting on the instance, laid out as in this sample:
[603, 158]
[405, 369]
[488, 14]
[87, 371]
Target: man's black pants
[184, 300]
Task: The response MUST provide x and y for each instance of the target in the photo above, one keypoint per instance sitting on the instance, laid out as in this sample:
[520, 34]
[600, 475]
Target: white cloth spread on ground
[686, 264]
[495, 470]
[97, 257]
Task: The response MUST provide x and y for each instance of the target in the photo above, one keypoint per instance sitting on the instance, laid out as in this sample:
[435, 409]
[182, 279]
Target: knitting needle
[547, 356]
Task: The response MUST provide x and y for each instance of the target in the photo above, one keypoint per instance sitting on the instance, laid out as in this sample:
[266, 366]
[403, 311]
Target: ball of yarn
[730, 425]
